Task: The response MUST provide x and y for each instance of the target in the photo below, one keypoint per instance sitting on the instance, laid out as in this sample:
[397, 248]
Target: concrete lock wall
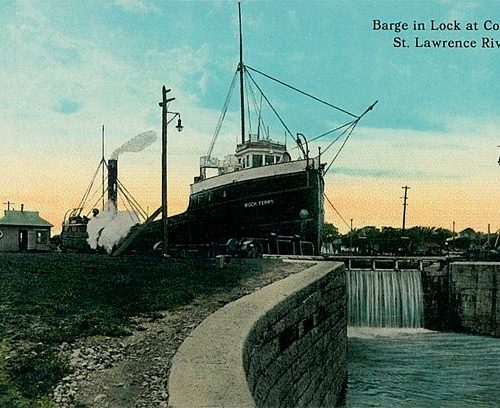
[463, 298]
[284, 345]
[473, 290]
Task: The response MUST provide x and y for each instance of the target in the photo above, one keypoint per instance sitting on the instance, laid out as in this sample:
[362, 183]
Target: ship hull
[285, 201]
[74, 236]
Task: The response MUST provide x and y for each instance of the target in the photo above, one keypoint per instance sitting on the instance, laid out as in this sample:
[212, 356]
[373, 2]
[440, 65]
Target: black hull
[287, 205]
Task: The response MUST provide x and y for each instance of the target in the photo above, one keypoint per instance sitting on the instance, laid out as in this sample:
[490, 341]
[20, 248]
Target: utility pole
[350, 238]
[8, 204]
[405, 199]
[164, 206]
[164, 125]
[453, 236]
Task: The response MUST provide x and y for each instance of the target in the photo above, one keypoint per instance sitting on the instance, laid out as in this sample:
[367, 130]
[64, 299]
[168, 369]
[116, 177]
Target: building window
[41, 237]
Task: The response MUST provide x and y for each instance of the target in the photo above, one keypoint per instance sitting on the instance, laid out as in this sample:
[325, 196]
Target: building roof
[24, 219]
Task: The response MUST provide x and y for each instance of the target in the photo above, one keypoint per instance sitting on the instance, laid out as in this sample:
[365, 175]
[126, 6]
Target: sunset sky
[69, 67]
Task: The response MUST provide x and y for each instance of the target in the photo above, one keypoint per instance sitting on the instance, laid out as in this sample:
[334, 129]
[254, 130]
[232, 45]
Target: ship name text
[260, 203]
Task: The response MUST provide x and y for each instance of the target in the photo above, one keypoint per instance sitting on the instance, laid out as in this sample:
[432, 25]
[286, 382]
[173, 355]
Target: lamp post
[164, 207]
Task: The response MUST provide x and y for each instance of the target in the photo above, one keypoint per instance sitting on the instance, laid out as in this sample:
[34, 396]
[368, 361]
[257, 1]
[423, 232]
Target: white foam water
[385, 298]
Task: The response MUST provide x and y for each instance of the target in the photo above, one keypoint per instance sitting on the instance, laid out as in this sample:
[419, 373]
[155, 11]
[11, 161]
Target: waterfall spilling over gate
[379, 298]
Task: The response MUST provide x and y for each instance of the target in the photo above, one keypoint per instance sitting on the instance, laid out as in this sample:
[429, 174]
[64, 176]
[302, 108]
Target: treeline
[423, 240]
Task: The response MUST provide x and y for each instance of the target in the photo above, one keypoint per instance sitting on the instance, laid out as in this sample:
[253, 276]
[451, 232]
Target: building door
[23, 240]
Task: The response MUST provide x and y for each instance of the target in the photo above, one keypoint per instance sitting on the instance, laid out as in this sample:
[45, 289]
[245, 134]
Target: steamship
[259, 195]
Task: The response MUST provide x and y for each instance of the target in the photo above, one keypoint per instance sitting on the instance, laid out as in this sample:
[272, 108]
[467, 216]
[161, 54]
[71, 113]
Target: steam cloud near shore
[108, 227]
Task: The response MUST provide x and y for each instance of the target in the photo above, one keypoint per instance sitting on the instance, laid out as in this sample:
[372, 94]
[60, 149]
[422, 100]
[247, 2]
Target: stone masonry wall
[282, 346]
[439, 313]
[463, 297]
[474, 294]
[296, 354]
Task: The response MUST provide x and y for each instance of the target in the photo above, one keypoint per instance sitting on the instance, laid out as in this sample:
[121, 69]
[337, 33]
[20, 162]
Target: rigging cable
[352, 126]
[126, 199]
[87, 192]
[338, 137]
[95, 204]
[249, 118]
[223, 114]
[271, 106]
[331, 131]
[132, 200]
[341, 147]
[302, 92]
[254, 100]
[338, 213]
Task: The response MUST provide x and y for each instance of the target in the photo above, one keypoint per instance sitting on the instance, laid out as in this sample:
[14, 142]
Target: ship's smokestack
[113, 182]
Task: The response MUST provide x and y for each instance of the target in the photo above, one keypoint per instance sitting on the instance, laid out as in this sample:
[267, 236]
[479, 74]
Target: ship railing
[290, 245]
[247, 247]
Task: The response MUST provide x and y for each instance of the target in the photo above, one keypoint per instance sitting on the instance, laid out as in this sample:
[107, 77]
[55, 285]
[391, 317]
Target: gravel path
[133, 371]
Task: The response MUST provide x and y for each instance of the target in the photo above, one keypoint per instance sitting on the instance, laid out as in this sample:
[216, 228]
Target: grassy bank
[48, 299]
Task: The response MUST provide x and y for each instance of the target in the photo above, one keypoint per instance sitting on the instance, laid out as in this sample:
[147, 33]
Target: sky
[69, 67]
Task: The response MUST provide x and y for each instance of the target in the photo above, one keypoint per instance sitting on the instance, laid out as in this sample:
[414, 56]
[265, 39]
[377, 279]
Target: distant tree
[468, 232]
[421, 235]
[369, 232]
[55, 240]
[330, 232]
[440, 235]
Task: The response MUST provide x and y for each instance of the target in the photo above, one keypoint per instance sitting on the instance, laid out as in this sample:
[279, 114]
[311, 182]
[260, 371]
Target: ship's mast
[241, 69]
[103, 164]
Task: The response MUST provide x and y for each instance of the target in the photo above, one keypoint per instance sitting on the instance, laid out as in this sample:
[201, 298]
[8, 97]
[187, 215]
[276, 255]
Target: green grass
[47, 299]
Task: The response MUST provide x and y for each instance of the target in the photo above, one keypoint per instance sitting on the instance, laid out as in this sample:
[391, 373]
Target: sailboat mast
[241, 68]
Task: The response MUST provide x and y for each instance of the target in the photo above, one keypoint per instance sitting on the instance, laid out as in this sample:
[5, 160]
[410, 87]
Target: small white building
[24, 231]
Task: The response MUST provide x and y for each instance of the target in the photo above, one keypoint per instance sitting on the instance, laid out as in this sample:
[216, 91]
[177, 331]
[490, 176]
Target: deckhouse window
[269, 159]
[256, 160]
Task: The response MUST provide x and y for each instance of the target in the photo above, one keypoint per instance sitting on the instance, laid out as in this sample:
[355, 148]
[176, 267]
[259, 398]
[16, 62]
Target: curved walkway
[207, 370]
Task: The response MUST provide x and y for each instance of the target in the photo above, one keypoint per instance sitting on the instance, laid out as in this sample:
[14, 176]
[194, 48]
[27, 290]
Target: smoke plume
[106, 229]
[136, 144]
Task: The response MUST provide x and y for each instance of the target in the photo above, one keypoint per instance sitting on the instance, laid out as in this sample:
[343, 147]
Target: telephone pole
[8, 204]
[164, 138]
[405, 199]
[350, 238]
[164, 208]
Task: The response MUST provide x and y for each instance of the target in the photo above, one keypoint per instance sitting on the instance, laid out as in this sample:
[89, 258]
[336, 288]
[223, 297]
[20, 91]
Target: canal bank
[274, 350]
[282, 346]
